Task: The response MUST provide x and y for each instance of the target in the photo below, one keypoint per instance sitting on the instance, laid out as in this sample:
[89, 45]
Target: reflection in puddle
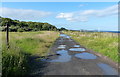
[67, 37]
[108, 70]
[76, 46]
[85, 56]
[61, 40]
[77, 49]
[64, 56]
[62, 46]
[64, 36]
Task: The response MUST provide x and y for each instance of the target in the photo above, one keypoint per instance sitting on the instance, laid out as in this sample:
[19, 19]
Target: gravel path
[70, 58]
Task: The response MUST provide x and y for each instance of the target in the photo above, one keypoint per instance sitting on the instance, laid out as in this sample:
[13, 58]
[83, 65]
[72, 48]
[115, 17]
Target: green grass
[14, 62]
[23, 45]
[102, 42]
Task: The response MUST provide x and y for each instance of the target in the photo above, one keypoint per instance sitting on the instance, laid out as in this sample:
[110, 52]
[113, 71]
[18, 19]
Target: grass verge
[102, 42]
[23, 45]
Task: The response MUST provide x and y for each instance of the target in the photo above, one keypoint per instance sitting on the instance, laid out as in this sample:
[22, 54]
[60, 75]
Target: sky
[60, 0]
[70, 15]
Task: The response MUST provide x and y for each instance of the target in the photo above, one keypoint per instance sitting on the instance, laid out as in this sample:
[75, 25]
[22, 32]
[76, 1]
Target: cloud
[67, 16]
[71, 17]
[83, 16]
[113, 10]
[23, 14]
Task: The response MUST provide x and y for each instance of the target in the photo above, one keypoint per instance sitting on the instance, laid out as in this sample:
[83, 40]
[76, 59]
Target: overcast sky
[71, 15]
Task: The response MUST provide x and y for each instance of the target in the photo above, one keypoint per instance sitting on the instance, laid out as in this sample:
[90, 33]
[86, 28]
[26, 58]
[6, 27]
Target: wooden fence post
[7, 35]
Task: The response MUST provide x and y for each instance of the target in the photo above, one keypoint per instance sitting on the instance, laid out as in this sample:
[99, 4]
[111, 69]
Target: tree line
[22, 26]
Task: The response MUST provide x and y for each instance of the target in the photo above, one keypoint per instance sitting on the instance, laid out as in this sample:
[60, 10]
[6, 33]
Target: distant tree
[46, 26]
[61, 29]
[21, 26]
[13, 28]
[20, 30]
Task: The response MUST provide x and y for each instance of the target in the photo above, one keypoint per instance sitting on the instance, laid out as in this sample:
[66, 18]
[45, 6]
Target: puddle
[64, 36]
[85, 55]
[61, 40]
[64, 56]
[76, 46]
[77, 49]
[108, 70]
[67, 36]
[46, 60]
[62, 47]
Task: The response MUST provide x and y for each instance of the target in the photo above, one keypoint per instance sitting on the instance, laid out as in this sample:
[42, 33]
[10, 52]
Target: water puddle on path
[77, 49]
[108, 70]
[64, 36]
[76, 46]
[64, 57]
[67, 37]
[61, 40]
[85, 55]
[61, 46]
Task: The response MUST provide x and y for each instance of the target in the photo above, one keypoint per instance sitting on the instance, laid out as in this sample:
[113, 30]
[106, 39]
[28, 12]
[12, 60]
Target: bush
[13, 29]
[20, 30]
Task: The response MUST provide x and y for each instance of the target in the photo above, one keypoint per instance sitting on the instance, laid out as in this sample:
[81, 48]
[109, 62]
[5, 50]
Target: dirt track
[66, 63]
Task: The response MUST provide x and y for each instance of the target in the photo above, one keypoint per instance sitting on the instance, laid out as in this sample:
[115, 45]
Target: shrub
[20, 30]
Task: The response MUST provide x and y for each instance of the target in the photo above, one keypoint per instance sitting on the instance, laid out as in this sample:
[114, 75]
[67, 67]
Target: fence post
[7, 35]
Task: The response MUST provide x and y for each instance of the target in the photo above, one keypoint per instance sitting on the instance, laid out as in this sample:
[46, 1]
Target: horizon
[70, 15]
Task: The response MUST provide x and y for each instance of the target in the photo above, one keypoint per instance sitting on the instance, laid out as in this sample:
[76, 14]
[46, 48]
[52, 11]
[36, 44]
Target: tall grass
[22, 46]
[102, 42]
[14, 62]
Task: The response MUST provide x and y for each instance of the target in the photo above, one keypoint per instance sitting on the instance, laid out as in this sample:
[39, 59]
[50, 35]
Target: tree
[22, 26]
[46, 26]
[61, 29]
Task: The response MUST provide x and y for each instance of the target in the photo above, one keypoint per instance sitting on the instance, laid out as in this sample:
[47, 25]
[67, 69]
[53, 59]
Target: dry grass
[22, 43]
[33, 42]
